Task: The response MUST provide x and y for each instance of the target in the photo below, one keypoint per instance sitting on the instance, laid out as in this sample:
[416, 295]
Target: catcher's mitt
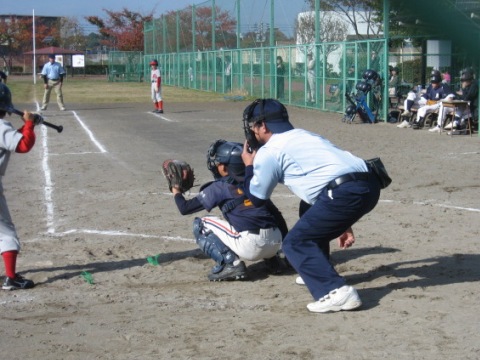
[179, 174]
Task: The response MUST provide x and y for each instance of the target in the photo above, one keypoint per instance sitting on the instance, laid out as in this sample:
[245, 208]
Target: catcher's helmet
[5, 97]
[370, 75]
[154, 62]
[466, 75]
[228, 153]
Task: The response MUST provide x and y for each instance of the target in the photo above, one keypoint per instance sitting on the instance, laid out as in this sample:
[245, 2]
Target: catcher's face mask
[268, 111]
[249, 121]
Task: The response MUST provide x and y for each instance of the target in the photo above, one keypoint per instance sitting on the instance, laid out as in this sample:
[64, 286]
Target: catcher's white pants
[247, 245]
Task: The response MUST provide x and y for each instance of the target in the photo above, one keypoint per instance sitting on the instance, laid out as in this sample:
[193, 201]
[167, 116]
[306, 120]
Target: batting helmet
[5, 97]
[351, 109]
[436, 79]
[228, 153]
[154, 62]
[370, 75]
[363, 86]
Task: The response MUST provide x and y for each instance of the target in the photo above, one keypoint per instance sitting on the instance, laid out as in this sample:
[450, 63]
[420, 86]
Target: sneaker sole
[351, 305]
[230, 278]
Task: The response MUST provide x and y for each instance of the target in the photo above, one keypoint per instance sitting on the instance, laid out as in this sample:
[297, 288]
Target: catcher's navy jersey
[243, 217]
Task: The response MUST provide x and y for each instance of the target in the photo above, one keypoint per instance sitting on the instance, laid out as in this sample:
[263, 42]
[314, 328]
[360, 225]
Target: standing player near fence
[156, 80]
[20, 141]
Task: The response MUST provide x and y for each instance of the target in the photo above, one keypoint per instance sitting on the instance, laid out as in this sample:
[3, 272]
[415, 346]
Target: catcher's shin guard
[160, 105]
[211, 245]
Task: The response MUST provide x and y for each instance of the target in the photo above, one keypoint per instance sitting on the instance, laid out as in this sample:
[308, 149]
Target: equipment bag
[376, 166]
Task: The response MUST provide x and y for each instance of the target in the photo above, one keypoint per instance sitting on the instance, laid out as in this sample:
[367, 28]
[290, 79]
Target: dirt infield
[92, 201]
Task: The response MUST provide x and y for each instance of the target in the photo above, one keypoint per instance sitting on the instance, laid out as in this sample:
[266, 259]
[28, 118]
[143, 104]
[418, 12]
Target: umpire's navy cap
[273, 113]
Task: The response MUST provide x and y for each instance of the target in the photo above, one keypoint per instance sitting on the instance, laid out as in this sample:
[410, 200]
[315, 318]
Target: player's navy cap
[51, 56]
[273, 113]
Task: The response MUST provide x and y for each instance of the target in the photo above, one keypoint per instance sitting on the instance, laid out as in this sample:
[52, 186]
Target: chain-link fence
[282, 49]
[125, 66]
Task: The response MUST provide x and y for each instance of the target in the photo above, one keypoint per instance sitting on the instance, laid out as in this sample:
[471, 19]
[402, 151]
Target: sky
[81, 8]
[285, 13]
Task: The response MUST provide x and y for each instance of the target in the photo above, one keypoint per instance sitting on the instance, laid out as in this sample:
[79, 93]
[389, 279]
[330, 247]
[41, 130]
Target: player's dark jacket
[470, 93]
[243, 217]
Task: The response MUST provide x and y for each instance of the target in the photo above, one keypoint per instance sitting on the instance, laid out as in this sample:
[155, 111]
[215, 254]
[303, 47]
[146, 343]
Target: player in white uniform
[156, 80]
[20, 141]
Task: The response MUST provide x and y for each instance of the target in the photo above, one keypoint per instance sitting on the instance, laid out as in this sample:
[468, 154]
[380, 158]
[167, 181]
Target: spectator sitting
[446, 78]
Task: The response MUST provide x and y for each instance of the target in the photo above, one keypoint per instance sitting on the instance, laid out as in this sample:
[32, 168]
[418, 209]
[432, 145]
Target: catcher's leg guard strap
[211, 245]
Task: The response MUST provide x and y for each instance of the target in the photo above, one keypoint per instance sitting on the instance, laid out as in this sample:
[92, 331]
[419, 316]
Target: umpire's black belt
[346, 178]
[53, 79]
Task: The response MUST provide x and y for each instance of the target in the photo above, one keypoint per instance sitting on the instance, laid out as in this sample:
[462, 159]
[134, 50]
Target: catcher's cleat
[16, 283]
[230, 272]
[160, 111]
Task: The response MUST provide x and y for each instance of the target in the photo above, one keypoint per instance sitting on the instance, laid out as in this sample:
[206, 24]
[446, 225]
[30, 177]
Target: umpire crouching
[336, 185]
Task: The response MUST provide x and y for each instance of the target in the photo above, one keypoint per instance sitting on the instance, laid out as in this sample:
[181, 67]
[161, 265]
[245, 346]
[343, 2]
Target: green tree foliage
[16, 36]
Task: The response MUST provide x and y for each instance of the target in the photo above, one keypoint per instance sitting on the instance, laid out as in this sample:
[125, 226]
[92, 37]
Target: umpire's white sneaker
[299, 281]
[344, 298]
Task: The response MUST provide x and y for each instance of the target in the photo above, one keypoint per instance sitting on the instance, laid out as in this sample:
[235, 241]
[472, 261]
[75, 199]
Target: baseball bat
[59, 128]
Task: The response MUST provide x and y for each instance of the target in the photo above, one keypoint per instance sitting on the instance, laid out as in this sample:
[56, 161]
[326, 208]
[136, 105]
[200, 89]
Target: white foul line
[48, 182]
[123, 233]
[161, 117]
[87, 130]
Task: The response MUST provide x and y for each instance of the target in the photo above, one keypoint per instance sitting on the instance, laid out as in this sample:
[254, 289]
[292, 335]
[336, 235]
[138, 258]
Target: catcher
[247, 233]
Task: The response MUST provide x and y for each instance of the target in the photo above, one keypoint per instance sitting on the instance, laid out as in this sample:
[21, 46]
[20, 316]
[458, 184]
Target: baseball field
[119, 276]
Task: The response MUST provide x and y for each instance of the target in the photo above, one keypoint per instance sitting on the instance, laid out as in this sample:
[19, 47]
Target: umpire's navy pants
[326, 220]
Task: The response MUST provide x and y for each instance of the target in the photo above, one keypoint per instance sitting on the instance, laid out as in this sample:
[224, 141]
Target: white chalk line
[78, 153]
[122, 233]
[47, 190]
[162, 117]
[49, 202]
[90, 134]
[382, 201]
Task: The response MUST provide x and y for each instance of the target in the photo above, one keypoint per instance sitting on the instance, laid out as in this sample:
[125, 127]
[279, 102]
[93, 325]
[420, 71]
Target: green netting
[125, 66]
